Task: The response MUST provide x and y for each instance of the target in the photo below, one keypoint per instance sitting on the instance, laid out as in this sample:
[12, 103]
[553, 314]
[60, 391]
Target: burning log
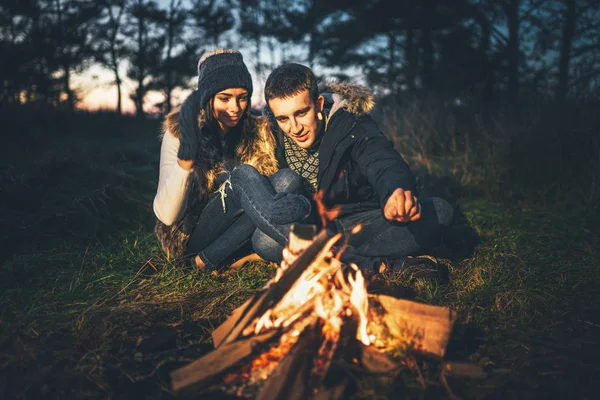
[200, 373]
[289, 340]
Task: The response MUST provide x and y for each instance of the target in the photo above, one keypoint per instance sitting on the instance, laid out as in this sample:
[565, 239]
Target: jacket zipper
[334, 147]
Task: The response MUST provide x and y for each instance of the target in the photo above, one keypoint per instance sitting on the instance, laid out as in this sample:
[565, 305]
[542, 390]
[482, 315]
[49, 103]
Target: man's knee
[286, 181]
[443, 210]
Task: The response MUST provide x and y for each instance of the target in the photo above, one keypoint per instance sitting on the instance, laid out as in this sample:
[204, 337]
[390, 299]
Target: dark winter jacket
[358, 165]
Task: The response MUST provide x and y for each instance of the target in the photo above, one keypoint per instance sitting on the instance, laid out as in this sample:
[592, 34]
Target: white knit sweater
[173, 181]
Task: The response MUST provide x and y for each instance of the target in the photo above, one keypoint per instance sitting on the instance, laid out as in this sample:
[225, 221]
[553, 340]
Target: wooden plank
[200, 373]
[428, 326]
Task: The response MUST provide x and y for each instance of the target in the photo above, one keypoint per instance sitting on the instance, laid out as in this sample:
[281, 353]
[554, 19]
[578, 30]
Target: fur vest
[256, 147]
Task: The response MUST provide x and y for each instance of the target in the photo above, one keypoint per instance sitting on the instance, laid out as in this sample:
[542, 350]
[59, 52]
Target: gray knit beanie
[219, 70]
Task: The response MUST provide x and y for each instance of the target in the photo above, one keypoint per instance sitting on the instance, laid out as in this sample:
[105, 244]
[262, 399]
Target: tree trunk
[115, 24]
[512, 14]
[426, 43]
[311, 50]
[411, 59]
[566, 43]
[67, 88]
[115, 69]
[485, 66]
[168, 91]
[119, 97]
[392, 72]
[139, 92]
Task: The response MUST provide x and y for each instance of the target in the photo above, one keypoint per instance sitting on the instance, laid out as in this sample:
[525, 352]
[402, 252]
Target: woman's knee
[266, 247]
[244, 172]
[286, 181]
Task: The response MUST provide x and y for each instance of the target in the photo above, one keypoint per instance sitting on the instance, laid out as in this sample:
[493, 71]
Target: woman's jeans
[224, 229]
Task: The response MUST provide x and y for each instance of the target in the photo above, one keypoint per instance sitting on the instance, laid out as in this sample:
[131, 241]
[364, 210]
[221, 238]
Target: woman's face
[228, 107]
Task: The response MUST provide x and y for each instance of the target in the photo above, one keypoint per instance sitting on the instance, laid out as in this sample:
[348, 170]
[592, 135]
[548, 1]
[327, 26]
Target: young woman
[202, 143]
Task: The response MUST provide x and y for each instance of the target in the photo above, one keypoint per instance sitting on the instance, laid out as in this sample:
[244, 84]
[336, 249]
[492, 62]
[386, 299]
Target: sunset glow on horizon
[98, 92]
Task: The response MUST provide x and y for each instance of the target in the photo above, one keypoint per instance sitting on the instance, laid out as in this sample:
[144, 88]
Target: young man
[326, 135]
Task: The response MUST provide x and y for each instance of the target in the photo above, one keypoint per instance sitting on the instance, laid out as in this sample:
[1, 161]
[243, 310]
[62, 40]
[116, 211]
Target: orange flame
[326, 214]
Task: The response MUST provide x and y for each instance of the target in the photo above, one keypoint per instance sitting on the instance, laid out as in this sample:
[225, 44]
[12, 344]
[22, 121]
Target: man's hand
[402, 206]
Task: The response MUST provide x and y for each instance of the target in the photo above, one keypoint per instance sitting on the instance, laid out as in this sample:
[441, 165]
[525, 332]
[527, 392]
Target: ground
[91, 308]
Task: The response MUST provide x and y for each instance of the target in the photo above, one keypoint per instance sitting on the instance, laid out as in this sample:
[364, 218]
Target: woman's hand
[188, 127]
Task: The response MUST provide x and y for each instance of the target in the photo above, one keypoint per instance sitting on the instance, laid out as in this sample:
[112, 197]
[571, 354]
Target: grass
[90, 307]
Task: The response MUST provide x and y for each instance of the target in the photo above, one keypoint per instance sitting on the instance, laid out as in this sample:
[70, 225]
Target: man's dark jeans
[378, 238]
[222, 231]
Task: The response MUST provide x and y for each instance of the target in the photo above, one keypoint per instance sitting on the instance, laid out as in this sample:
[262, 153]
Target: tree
[212, 18]
[579, 46]
[71, 20]
[255, 25]
[17, 24]
[175, 68]
[110, 45]
[145, 20]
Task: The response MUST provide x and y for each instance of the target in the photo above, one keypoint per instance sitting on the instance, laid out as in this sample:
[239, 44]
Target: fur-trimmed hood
[352, 97]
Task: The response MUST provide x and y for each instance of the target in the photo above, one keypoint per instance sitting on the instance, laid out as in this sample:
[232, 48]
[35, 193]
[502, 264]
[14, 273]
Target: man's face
[297, 116]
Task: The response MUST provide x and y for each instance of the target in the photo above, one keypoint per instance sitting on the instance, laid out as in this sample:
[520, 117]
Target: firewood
[376, 362]
[427, 327]
[288, 381]
[335, 392]
[223, 330]
[276, 291]
[200, 373]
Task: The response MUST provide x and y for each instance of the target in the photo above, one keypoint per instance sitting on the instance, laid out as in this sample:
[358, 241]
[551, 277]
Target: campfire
[311, 329]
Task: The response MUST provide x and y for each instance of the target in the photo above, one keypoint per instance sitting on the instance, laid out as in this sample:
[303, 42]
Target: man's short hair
[290, 79]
